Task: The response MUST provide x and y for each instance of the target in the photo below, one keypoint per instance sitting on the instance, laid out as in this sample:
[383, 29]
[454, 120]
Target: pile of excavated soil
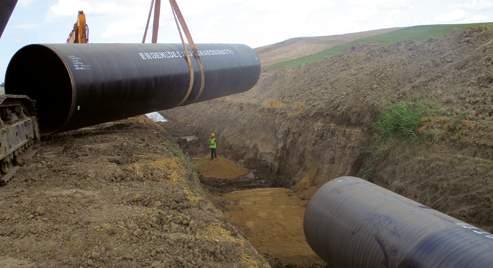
[119, 195]
[219, 168]
[307, 125]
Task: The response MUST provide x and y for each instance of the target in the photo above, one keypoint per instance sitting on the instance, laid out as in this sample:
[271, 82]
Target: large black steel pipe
[352, 223]
[81, 85]
[6, 8]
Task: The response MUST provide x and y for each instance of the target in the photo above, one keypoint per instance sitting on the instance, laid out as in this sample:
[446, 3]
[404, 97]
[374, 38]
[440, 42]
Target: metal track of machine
[18, 131]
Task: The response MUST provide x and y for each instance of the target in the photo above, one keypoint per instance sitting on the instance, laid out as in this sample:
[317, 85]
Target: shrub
[400, 120]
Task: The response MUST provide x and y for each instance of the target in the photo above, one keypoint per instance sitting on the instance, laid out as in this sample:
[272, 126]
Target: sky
[252, 22]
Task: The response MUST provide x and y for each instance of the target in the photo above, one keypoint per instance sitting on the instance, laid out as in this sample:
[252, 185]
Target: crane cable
[147, 24]
[182, 29]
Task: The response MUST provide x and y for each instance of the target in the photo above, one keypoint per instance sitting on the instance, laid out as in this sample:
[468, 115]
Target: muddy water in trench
[270, 218]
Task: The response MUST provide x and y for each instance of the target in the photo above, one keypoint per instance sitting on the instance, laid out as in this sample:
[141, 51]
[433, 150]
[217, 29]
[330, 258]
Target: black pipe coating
[6, 8]
[353, 223]
[85, 84]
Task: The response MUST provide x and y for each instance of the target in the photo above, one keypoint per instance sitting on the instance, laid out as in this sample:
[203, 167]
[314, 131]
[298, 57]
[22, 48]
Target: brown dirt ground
[271, 218]
[220, 168]
[118, 195]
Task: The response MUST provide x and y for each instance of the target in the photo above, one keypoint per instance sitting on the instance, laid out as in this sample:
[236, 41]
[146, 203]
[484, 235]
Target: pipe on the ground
[81, 85]
[353, 223]
[6, 9]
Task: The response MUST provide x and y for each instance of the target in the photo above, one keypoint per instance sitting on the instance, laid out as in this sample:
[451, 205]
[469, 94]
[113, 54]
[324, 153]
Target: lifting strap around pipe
[182, 27]
[191, 73]
[181, 19]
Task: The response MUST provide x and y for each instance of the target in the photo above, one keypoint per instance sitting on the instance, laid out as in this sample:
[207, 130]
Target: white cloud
[25, 3]
[259, 22]
[455, 15]
[112, 7]
[477, 4]
[26, 26]
[467, 12]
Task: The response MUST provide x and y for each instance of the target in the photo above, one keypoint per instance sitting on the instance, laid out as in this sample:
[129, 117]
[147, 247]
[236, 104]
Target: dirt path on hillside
[270, 218]
[119, 195]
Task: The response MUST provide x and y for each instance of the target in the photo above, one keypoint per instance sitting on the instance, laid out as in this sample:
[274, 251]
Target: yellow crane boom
[80, 32]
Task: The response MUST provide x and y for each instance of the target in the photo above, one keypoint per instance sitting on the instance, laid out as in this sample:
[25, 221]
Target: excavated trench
[268, 215]
[303, 127]
[452, 175]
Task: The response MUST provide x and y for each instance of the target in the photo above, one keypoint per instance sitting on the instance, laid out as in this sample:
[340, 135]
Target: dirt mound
[310, 124]
[119, 195]
[220, 168]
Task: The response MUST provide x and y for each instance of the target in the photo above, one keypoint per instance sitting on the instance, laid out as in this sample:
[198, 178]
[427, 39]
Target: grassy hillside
[304, 46]
[416, 33]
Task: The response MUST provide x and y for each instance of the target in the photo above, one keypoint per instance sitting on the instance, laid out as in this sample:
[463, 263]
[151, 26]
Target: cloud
[260, 22]
[26, 26]
[111, 7]
[476, 5]
[455, 15]
[109, 20]
[26, 3]
[467, 12]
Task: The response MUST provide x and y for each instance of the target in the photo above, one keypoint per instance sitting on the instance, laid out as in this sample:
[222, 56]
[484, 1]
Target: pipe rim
[48, 74]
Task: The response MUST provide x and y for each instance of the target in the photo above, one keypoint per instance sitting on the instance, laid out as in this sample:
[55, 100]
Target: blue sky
[253, 22]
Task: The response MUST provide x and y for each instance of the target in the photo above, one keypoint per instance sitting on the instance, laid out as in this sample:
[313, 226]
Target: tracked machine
[18, 123]
[18, 131]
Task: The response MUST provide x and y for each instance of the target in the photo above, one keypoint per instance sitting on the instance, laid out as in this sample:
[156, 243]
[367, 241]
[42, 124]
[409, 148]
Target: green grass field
[415, 33]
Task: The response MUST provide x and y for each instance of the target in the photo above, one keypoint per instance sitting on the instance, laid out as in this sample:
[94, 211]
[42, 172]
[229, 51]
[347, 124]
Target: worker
[213, 145]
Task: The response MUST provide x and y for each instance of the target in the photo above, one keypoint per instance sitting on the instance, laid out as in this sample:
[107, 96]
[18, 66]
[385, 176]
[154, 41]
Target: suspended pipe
[81, 85]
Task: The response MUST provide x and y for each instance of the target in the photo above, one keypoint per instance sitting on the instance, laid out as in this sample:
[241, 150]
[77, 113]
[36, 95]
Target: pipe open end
[38, 72]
